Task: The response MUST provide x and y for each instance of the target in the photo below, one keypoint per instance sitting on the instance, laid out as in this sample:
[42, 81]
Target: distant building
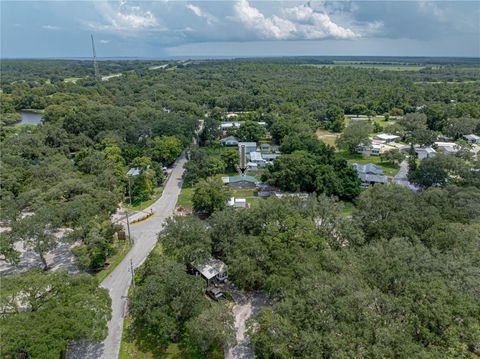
[373, 149]
[212, 270]
[425, 152]
[265, 147]
[386, 138]
[472, 139]
[370, 174]
[225, 125]
[240, 181]
[448, 148]
[359, 119]
[229, 141]
[237, 202]
[256, 157]
[249, 146]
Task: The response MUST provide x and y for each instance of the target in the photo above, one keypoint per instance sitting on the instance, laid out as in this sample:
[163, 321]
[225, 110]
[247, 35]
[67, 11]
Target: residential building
[264, 147]
[212, 270]
[370, 174]
[229, 141]
[237, 202]
[225, 125]
[256, 157]
[447, 148]
[373, 149]
[249, 146]
[386, 138]
[425, 152]
[472, 139]
[240, 181]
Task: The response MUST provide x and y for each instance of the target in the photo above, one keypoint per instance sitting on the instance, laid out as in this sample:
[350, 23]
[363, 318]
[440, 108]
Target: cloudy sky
[234, 28]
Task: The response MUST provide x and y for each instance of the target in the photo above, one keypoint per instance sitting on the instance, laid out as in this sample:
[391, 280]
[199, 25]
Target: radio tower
[95, 65]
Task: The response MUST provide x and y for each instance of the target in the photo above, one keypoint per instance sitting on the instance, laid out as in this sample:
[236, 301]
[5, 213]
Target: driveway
[246, 306]
[145, 236]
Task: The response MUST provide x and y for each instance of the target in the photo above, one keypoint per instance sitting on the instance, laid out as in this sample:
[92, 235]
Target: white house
[448, 148]
[472, 138]
[212, 270]
[256, 157]
[386, 138]
[249, 146]
[237, 202]
[370, 150]
[229, 141]
[425, 152]
[229, 124]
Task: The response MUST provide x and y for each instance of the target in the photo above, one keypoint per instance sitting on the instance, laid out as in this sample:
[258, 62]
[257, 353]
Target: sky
[239, 28]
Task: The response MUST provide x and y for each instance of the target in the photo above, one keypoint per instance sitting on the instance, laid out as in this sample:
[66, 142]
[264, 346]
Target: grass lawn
[347, 209]
[71, 79]
[122, 249]
[388, 168]
[185, 198]
[142, 205]
[327, 137]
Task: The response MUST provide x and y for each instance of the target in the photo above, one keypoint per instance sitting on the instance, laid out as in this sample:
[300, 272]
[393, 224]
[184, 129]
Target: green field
[388, 168]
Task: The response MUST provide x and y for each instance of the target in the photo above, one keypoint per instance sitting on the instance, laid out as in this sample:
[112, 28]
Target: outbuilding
[212, 270]
[472, 139]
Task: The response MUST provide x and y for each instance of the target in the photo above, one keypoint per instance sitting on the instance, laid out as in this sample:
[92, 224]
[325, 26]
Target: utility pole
[128, 227]
[133, 273]
[95, 65]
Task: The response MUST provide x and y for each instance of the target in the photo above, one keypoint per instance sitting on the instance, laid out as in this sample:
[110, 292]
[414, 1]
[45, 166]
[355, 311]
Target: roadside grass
[185, 198]
[388, 168]
[122, 249]
[144, 204]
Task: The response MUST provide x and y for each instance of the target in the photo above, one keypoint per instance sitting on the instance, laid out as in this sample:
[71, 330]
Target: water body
[29, 118]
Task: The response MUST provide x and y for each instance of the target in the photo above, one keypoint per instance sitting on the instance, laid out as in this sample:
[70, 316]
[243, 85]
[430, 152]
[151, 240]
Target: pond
[29, 118]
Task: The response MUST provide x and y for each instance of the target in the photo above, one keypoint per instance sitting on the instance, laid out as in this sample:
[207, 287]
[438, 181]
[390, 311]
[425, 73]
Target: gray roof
[368, 168]
[472, 137]
[135, 171]
[365, 177]
[229, 138]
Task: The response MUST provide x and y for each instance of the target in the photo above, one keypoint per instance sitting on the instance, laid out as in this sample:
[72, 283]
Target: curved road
[145, 236]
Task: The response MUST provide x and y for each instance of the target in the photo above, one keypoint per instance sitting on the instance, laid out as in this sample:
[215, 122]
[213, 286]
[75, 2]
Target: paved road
[401, 177]
[145, 236]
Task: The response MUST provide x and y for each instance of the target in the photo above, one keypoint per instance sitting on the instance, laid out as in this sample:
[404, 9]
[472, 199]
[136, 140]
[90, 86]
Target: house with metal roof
[241, 181]
[425, 152]
[386, 138]
[472, 138]
[229, 141]
[249, 146]
[212, 270]
[370, 174]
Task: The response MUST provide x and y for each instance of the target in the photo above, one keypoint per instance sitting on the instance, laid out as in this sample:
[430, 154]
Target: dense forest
[396, 276]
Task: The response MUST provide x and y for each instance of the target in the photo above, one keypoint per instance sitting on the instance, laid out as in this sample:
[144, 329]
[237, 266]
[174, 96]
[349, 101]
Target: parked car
[215, 294]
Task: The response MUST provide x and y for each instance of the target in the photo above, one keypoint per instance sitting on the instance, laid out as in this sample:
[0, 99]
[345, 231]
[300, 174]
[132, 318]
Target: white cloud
[299, 22]
[50, 27]
[124, 17]
[202, 13]
[104, 41]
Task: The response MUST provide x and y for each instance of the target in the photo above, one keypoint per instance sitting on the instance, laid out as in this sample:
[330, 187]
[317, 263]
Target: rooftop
[211, 268]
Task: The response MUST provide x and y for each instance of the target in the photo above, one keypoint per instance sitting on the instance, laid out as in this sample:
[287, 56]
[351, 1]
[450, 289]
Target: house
[249, 146]
[472, 139]
[266, 190]
[252, 166]
[212, 270]
[226, 125]
[240, 181]
[229, 141]
[370, 174]
[425, 152]
[386, 138]
[237, 202]
[448, 148]
[264, 147]
[256, 157]
[370, 150]
[359, 119]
